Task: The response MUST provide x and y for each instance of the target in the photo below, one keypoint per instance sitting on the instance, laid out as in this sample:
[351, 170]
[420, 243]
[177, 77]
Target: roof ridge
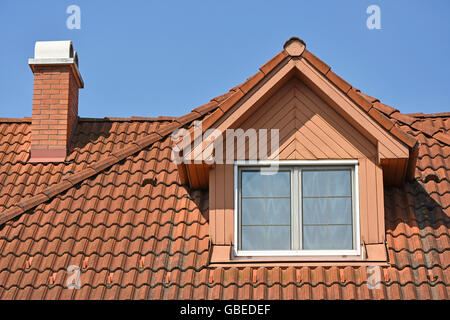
[132, 118]
[95, 168]
[429, 115]
[24, 119]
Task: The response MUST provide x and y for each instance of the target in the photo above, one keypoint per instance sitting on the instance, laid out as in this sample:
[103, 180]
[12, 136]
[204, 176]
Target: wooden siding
[309, 130]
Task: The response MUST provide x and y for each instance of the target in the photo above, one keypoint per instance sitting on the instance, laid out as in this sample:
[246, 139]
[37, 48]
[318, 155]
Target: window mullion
[300, 208]
[295, 188]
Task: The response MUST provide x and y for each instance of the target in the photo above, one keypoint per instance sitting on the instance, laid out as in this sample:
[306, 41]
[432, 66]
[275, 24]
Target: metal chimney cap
[56, 53]
[53, 49]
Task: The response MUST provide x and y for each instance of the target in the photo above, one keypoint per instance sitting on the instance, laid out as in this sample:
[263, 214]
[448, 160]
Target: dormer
[295, 162]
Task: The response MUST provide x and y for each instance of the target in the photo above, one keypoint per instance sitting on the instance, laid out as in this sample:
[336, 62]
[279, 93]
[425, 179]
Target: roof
[119, 210]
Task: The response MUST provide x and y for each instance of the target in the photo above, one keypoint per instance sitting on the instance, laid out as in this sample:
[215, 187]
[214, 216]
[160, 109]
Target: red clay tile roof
[117, 210]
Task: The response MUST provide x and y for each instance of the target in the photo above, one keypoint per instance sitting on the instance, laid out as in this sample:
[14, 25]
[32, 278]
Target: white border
[299, 253]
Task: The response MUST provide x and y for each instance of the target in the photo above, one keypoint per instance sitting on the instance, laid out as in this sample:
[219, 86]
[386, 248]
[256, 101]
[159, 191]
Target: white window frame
[300, 253]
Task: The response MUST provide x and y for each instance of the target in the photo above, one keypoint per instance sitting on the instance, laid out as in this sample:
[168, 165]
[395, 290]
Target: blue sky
[151, 58]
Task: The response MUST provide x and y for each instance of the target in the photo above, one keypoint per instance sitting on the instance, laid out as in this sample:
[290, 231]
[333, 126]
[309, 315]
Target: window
[302, 208]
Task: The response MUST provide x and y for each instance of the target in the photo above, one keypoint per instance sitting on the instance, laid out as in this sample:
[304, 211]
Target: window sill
[375, 254]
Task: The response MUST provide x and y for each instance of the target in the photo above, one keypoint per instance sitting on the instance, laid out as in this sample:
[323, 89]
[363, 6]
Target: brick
[49, 122]
[41, 86]
[61, 76]
[57, 146]
[41, 96]
[39, 136]
[51, 91]
[58, 116]
[48, 131]
[41, 117]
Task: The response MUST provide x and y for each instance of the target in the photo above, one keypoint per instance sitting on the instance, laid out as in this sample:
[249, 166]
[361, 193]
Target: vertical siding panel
[229, 203]
[380, 204]
[212, 204]
[372, 211]
[363, 199]
[220, 204]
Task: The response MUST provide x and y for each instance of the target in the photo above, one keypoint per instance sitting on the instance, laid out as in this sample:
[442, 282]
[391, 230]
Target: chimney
[55, 100]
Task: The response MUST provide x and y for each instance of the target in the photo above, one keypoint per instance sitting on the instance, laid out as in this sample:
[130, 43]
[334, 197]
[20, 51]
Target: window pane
[327, 209]
[253, 211]
[315, 211]
[266, 211]
[278, 211]
[279, 184]
[340, 237]
[314, 237]
[253, 238]
[266, 238]
[339, 210]
[253, 184]
[278, 238]
[314, 183]
[339, 183]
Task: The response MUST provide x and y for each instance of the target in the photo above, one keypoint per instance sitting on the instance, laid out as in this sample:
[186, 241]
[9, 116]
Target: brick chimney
[55, 100]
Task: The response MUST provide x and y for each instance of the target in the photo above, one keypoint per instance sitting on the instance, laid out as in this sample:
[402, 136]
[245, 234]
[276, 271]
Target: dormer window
[302, 208]
[335, 152]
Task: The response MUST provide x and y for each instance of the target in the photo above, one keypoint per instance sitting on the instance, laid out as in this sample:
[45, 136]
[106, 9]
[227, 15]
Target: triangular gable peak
[320, 116]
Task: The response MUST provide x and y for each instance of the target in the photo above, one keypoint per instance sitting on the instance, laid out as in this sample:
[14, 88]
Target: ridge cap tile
[267, 67]
[316, 62]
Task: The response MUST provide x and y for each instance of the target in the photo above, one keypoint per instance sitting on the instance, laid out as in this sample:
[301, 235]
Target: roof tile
[404, 137]
[316, 62]
[338, 81]
[359, 100]
[387, 110]
[272, 63]
[251, 82]
[228, 103]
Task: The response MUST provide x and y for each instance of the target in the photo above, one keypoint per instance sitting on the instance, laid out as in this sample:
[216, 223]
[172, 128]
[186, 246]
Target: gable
[309, 129]
[395, 149]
